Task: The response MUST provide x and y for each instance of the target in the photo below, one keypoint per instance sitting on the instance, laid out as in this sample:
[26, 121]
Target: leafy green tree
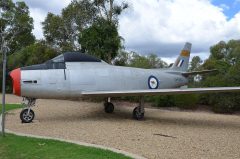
[101, 40]
[219, 51]
[107, 45]
[234, 54]
[156, 62]
[233, 75]
[224, 57]
[15, 25]
[33, 54]
[139, 61]
[55, 33]
[150, 61]
[109, 10]
[122, 59]
[69, 30]
[195, 63]
[63, 31]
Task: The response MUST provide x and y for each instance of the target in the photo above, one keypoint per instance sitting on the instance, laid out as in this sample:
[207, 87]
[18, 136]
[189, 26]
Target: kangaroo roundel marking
[153, 82]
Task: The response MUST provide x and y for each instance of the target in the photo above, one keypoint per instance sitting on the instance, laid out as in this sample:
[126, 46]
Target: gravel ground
[163, 133]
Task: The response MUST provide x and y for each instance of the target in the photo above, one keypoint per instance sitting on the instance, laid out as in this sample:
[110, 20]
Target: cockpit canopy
[75, 57]
[59, 61]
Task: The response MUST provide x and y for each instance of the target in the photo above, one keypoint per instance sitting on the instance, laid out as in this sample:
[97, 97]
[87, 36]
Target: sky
[163, 26]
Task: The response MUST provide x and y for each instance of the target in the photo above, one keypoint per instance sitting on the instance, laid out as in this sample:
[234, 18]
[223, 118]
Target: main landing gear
[27, 114]
[138, 112]
[108, 106]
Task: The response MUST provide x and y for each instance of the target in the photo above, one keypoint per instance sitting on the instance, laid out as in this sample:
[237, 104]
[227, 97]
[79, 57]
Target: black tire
[108, 107]
[137, 114]
[25, 117]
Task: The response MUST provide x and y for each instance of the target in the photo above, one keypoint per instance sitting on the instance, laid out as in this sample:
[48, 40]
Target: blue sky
[231, 7]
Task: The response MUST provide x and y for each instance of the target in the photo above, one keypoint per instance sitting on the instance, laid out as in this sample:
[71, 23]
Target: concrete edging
[76, 142]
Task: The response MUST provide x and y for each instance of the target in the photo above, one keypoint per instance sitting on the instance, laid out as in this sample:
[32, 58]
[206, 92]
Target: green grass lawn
[10, 107]
[18, 147]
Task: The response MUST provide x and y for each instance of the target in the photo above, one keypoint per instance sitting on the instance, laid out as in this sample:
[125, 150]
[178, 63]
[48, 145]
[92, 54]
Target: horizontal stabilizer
[186, 74]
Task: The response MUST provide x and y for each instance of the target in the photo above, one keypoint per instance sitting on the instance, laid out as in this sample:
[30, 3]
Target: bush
[203, 99]
[186, 101]
[163, 101]
[225, 102]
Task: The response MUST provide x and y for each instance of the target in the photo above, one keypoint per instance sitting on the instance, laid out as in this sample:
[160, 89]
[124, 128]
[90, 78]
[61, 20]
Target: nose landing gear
[27, 114]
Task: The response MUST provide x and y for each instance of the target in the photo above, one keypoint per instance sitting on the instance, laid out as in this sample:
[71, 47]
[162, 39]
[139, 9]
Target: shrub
[163, 101]
[225, 102]
[186, 101]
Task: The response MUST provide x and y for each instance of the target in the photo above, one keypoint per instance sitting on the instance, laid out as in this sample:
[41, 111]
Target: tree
[195, 63]
[63, 31]
[15, 25]
[55, 32]
[219, 51]
[122, 59]
[156, 62]
[101, 40]
[70, 30]
[139, 61]
[110, 10]
[224, 56]
[234, 53]
[150, 61]
[33, 54]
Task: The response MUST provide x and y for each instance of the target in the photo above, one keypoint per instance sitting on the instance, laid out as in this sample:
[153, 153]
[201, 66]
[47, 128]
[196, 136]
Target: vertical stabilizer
[181, 64]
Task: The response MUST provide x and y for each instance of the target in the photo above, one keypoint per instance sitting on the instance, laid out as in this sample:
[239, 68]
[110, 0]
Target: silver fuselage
[93, 76]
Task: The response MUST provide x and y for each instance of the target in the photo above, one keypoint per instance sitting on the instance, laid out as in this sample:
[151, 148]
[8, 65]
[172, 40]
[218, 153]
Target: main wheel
[27, 117]
[137, 113]
[108, 107]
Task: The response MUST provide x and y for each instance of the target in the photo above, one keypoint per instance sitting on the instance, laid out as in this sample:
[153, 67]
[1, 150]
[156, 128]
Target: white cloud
[39, 16]
[54, 6]
[162, 26]
[224, 6]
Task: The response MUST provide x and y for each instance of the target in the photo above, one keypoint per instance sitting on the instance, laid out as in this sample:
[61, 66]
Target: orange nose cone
[16, 77]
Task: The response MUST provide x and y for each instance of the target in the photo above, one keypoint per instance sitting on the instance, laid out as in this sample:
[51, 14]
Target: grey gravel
[163, 133]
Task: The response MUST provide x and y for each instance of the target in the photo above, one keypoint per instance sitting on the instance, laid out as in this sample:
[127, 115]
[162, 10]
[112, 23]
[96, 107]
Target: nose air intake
[16, 78]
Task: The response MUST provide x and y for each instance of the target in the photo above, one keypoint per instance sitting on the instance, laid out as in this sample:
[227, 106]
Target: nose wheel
[27, 115]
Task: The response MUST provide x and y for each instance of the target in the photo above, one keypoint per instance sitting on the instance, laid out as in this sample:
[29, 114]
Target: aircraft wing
[160, 91]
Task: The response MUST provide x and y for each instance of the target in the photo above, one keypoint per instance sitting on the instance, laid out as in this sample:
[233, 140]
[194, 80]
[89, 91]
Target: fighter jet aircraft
[73, 74]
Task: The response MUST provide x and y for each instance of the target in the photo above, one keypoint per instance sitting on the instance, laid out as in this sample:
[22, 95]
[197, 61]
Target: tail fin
[181, 64]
